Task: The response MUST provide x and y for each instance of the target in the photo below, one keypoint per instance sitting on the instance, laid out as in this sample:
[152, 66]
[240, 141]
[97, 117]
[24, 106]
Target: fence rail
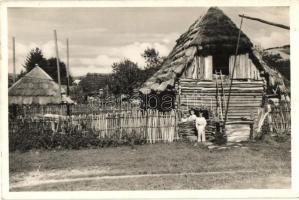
[153, 125]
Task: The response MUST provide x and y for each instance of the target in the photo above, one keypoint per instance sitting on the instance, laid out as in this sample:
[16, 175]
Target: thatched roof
[36, 87]
[279, 59]
[215, 33]
[212, 34]
[275, 78]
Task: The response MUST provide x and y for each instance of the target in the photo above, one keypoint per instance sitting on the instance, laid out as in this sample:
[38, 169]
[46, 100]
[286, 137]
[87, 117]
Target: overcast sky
[100, 36]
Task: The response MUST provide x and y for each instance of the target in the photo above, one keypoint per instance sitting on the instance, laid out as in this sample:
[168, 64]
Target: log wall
[246, 96]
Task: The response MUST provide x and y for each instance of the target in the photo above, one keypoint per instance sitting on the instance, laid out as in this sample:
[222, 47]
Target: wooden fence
[280, 118]
[153, 125]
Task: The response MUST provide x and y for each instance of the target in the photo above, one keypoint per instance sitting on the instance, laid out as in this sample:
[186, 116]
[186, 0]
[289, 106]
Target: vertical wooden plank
[242, 65]
[197, 64]
[231, 65]
[250, 69]
[244, 69]
[194, 69]
[208, 68]
[201, 67]
[189, 71]
[238, 67]
[247, 66]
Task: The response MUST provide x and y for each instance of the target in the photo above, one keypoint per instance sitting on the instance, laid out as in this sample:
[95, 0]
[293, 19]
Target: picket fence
[153, 125]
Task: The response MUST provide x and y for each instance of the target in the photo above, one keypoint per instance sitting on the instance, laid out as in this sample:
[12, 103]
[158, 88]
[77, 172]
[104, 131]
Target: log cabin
[198, 71]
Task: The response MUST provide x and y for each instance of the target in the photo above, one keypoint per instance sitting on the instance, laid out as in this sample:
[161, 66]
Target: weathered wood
[238, 131]
[225, 83]
[196, 70]
[237, 89]
[208, 68]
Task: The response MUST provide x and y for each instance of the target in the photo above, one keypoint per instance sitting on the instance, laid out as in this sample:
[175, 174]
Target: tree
[48, 65]
[125, 77]
[51, 69]
[35, 57]
[152, 58]
[153, 62]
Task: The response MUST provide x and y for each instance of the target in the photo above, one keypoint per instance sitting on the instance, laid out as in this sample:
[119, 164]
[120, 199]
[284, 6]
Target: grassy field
[152, 167]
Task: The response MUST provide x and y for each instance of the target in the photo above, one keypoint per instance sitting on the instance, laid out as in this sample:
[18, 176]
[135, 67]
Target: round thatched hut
[35, 90]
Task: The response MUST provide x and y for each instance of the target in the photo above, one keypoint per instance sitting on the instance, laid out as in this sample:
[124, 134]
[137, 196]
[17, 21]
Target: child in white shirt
[201, 123]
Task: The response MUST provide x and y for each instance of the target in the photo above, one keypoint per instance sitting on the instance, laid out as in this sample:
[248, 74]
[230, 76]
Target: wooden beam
[266, 22]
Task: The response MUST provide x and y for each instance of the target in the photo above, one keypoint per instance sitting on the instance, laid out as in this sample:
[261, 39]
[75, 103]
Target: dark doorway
[221, 63]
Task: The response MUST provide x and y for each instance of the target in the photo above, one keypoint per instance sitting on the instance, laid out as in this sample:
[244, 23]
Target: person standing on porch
[201, 123]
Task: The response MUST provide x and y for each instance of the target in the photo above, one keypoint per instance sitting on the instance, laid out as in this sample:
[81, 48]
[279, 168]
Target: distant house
[36, 87]
[94, 84]
[191, 72]
[76, 82]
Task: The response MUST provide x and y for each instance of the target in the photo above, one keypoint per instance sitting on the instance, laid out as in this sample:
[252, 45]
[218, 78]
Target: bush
[40, 136]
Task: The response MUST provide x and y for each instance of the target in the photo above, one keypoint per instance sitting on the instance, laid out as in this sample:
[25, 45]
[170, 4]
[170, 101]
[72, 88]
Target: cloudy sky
[100, 36]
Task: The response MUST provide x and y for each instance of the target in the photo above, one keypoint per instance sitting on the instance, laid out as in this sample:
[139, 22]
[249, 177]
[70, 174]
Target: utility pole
[58, 66]
[68, 76]
[67, 67]
[14, 58]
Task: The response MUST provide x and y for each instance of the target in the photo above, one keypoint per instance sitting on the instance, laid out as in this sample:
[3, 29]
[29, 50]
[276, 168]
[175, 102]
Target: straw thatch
[279, 59]
[274, 78]
[212, 34]
[215, 33]
[36, 87]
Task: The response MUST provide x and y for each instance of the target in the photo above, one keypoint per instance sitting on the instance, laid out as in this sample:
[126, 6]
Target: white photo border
[173, 194]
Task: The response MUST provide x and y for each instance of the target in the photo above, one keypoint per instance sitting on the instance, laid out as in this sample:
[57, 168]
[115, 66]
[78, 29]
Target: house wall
[202, 68]
[246, 96]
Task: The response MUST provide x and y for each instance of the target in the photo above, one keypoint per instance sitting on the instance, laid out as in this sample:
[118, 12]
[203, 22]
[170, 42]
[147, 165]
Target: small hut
[198, 71]
[38, 88]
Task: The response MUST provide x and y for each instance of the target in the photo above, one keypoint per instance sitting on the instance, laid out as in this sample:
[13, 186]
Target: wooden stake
[58, 66]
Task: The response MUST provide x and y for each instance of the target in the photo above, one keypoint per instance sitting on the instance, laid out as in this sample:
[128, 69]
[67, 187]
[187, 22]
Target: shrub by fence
[76, 109]
[110, 129]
